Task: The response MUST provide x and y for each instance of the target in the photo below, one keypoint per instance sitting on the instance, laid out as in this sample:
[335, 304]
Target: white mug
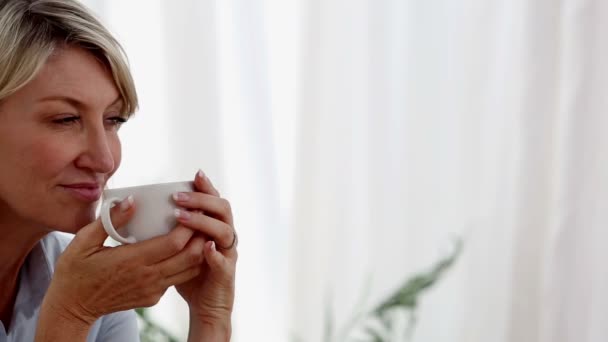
[154, 212]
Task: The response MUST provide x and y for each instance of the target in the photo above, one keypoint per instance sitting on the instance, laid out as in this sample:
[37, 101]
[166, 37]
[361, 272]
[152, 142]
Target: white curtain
[357, 138]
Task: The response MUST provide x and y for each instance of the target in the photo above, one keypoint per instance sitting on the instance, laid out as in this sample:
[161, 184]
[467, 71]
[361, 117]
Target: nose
[97, 152]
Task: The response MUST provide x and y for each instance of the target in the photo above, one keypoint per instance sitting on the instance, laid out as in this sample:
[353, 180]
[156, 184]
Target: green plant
[150, 331]
[379, 323]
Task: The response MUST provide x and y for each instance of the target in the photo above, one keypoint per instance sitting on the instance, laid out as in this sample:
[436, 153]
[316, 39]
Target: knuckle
[175, 244]
[178, 240]
[194, 257]
[225, 206]
[152, 293]
[152, 299]
[227, 234]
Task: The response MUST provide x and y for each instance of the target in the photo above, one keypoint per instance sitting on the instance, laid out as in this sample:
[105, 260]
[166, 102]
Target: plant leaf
[407, 295]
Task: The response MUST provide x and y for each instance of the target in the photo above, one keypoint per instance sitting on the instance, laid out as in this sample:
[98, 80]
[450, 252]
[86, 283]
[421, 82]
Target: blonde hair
[30, 30]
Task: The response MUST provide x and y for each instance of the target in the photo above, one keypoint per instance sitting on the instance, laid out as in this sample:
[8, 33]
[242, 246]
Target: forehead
[76, 73]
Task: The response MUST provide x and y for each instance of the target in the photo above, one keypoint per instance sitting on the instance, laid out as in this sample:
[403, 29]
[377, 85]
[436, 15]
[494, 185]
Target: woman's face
[59, 143]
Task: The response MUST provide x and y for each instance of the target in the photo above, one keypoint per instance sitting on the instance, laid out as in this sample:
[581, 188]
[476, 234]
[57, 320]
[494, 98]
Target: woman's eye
[117, 121]
[114, 121]
[68, 120]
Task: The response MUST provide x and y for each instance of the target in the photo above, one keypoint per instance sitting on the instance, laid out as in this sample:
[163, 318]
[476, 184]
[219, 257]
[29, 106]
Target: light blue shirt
[34, 279]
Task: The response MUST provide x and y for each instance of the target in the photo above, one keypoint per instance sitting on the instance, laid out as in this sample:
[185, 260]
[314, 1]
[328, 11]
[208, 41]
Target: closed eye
[116, 121]
[68, 120]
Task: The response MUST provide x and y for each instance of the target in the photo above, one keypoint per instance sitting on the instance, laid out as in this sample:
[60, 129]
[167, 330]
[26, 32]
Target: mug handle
[106, 221]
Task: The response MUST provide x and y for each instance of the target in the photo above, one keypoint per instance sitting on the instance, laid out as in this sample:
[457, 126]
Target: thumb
[94, 234]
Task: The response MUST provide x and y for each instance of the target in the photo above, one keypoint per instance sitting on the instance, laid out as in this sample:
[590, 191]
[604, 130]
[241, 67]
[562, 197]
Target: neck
[18, 239]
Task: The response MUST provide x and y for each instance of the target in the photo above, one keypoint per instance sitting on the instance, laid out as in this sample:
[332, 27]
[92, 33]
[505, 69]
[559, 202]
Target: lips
[88, 192]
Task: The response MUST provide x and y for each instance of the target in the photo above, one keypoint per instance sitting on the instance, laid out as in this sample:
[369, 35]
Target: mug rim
[148, 185]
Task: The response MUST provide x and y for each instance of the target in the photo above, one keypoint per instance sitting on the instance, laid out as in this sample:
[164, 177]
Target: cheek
[49, 157]
[28, 161]
[116, 150]
[31, 170]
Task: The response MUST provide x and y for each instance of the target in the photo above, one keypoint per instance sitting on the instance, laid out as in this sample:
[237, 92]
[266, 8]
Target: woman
[65, 89]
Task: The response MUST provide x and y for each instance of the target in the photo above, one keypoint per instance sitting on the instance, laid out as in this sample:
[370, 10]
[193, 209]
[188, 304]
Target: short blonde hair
[30, 30]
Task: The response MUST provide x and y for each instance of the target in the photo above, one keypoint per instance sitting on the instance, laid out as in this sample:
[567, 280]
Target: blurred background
[357, 139]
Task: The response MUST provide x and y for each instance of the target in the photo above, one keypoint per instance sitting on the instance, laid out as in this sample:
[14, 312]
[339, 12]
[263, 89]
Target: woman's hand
[91, 280]
[210, 295]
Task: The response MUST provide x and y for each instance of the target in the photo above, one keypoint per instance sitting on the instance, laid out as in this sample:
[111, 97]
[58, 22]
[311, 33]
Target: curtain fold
[576, 282]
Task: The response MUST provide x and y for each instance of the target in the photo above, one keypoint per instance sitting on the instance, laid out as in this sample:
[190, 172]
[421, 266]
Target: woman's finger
[182, 277]
[219, 231]
[218, 262]
[211, 205]
[203, 184]
[191, 255]
[159, 248]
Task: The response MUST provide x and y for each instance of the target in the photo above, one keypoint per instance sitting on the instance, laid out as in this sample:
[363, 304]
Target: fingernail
[181, 196]
[213, 246]
[181, 214]
[201, 174]
[127, 203]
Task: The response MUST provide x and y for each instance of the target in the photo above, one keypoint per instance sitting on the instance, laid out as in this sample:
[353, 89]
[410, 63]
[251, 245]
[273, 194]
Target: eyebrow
[74, 102]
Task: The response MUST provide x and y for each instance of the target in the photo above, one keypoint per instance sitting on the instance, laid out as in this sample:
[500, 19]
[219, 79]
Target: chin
[73, 222]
